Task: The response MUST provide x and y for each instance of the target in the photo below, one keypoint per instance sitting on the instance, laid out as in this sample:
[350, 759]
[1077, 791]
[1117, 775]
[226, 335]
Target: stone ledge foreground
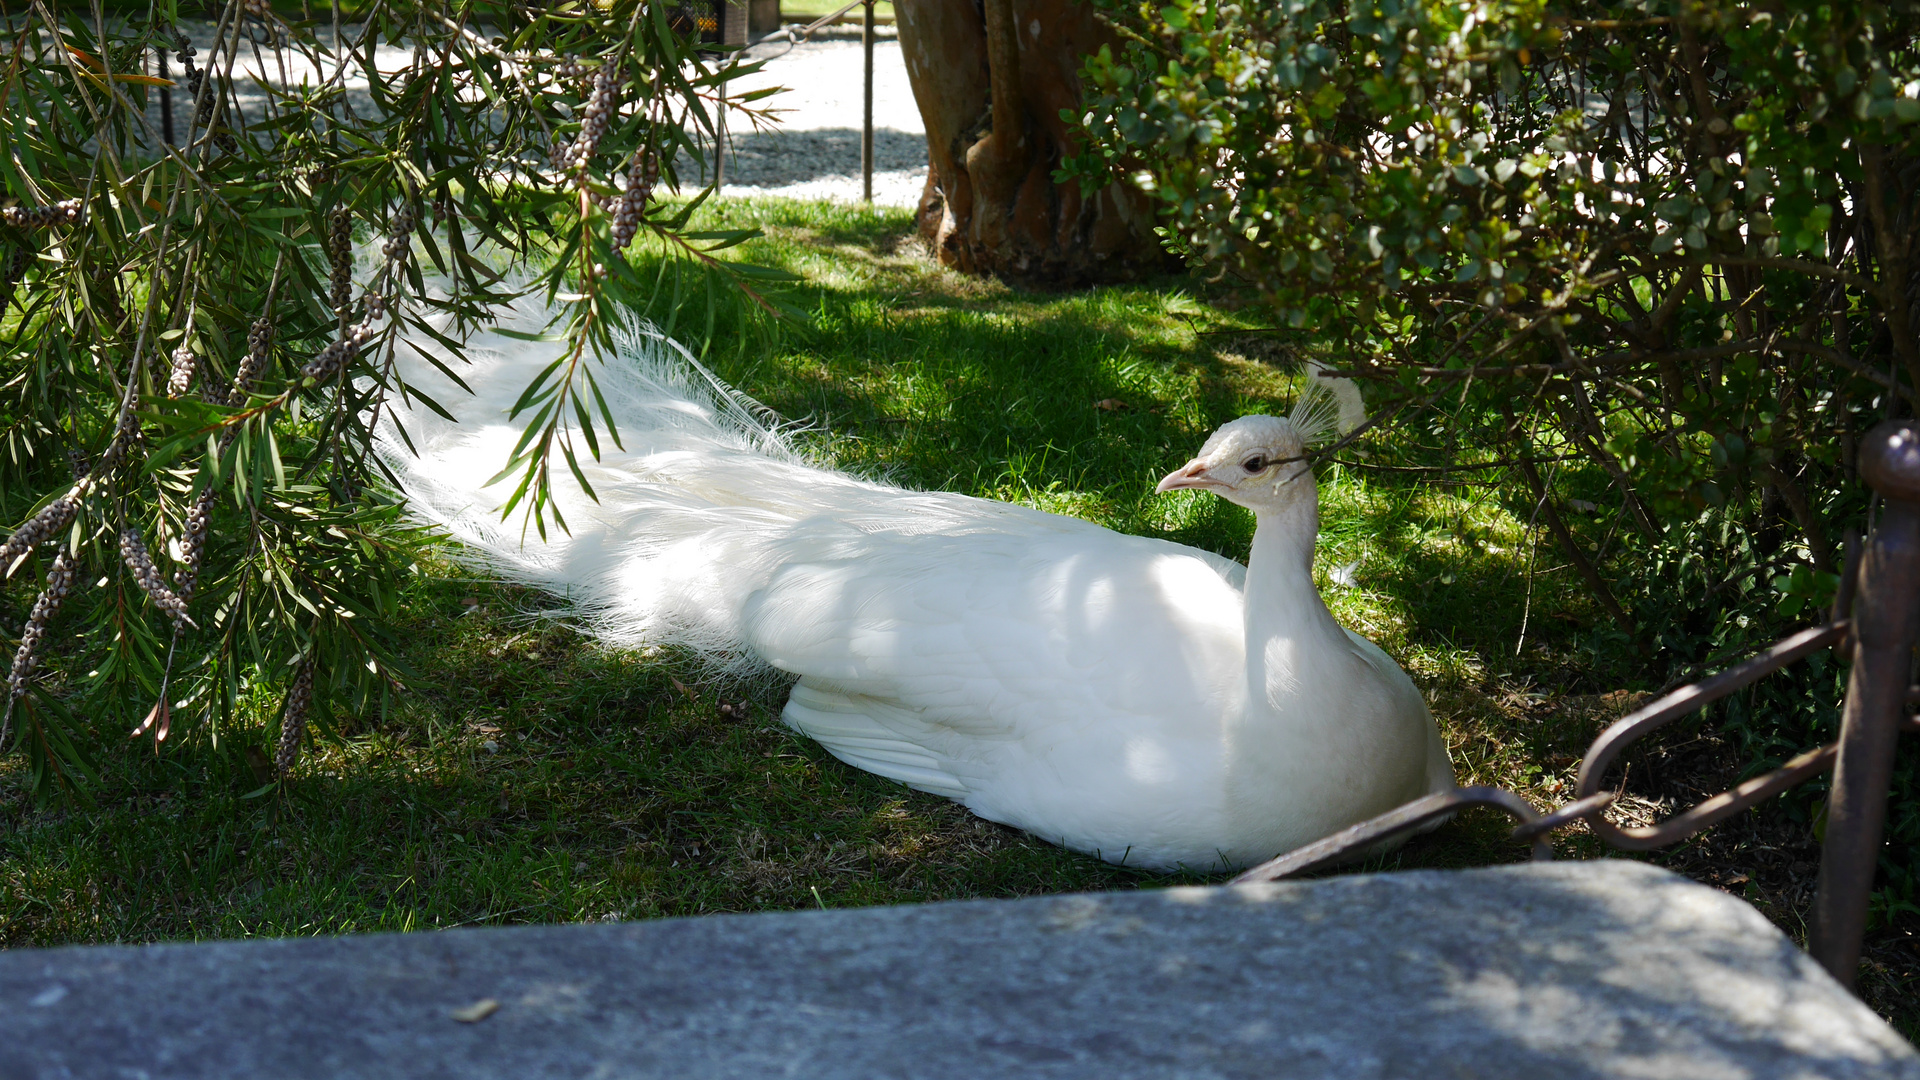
[1565, 970]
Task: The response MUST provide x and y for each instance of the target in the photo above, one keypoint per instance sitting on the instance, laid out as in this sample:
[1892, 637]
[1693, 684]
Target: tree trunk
[991, 78]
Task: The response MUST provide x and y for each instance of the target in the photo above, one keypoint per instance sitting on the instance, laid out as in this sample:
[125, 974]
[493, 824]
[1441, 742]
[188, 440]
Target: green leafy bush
[1654, 256]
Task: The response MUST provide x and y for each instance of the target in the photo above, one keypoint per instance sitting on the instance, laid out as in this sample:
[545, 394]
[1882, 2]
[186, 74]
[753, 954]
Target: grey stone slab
[1563, 970]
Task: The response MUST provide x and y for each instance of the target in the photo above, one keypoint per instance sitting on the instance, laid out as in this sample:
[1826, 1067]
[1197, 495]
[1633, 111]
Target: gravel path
[813, 152]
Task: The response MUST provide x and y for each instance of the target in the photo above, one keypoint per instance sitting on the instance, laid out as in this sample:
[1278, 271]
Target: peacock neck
[1287, 622]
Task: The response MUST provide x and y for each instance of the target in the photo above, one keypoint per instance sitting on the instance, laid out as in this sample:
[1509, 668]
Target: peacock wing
[950, 661]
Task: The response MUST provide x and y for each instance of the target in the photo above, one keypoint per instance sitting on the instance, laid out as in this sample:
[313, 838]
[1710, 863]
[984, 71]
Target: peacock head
[1261, 462]
[1256, 461]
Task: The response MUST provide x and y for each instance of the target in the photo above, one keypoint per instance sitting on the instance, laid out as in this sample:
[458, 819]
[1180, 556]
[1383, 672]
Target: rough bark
[991, 79]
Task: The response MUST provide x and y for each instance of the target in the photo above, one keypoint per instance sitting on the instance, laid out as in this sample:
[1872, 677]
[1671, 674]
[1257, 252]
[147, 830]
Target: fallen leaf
[159, 721]
[685, 689]
[1738, 879]
[476, 1012]
[1112, 404]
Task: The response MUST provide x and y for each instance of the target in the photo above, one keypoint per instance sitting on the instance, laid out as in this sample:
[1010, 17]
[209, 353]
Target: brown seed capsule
[398, 241]
[259, 345]
[64, 212]
[27, 658]
[128, 434]
[593, 123]
[338, 354]
[182, 375]
[42, 526]
[293, 723]
[193, 545]
[133, 552]
[340, 250]
[641, 176]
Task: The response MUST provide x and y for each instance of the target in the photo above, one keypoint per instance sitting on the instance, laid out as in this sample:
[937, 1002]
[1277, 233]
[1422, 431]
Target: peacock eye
[1254, 464]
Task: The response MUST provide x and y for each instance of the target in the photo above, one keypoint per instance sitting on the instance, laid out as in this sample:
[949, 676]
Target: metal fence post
[1886, 622]
[866, 127]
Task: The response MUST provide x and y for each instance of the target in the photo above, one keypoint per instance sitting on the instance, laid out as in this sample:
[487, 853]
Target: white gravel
[811, 152]
[814, 152]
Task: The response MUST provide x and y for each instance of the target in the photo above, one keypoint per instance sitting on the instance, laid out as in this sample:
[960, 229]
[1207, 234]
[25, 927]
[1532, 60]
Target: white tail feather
[702, 500]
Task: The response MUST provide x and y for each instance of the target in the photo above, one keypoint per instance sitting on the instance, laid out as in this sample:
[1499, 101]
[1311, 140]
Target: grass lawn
[792, 11]
[535, 777]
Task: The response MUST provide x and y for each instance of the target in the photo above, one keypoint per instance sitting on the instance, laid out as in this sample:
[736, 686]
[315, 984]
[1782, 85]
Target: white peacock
[1149, 703]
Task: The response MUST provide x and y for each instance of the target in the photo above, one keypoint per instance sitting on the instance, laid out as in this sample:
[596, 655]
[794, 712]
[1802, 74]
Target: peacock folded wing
[1001, 668]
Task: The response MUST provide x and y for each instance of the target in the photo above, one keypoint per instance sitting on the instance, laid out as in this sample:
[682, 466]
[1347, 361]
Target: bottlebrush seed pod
[27, 658]
[193, 545]
[259, 344]
[133, 552]
[42, 526]
[593, 124]
[340, 250]
[293, 724]
[337, 355]
[128, 434]
[214, 390]
[633, 202]
[204, 112]
[182, 375]
[401, 238]
[64, 212]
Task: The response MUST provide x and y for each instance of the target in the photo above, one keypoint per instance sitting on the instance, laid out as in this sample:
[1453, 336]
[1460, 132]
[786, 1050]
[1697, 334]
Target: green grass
[535, 777]
[808, 10]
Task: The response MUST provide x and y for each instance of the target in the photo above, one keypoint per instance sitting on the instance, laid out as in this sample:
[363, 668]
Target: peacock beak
[1191, 475]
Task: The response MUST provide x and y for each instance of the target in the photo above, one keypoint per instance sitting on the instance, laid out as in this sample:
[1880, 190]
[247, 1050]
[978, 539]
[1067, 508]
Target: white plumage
[1150, 703]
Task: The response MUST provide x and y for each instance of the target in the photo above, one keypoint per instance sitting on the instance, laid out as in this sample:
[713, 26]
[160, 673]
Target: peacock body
[1150, 703]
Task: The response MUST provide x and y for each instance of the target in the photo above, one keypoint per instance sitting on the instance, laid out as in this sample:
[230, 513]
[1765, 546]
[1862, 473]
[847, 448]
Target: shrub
[1656, 256]
[193, 360]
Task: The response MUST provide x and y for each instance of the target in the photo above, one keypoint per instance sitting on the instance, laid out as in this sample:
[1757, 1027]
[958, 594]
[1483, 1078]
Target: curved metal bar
[1718, 808]
[1394, 823]
[1672, 706]
[1534, 826]
[1566, 815]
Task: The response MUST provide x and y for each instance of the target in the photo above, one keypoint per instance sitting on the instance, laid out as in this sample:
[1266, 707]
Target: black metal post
[1886, 623]
[866, 127]
[720, 142]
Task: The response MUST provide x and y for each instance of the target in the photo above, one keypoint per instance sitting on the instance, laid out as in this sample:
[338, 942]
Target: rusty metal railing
[1875, 617]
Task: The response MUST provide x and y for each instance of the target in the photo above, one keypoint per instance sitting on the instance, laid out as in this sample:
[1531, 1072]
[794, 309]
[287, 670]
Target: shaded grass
[538, 778]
